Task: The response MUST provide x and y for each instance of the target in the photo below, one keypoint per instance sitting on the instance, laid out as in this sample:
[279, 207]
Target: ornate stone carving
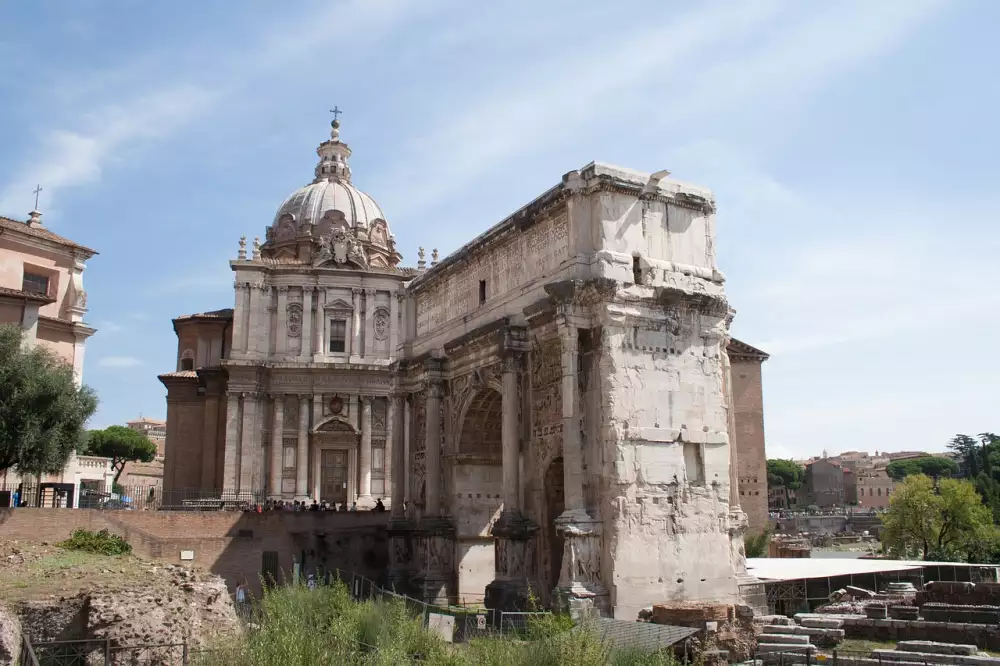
[378, 414]
[341, 247]
[381, 324]
[293, 317]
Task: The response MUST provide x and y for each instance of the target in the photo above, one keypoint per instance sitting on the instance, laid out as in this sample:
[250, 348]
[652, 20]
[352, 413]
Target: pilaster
[355, 336]
[305, 337]
[281, 339]
[277, 444]
[365, 455]
[319, 327]
[394, 302]
[369, 350]
[302, 452]
[231, 455]
[249, 442]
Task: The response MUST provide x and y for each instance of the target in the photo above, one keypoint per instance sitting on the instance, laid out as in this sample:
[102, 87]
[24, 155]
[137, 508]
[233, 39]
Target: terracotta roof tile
[225, 313]
[26, 295]
[41, 232]
[180, 374]
[740, 348]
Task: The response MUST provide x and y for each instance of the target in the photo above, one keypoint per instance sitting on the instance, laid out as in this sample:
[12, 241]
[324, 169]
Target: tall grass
[303, 627]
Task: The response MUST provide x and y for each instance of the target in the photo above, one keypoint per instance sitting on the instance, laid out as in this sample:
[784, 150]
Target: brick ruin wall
[751, 460]
[231, 544]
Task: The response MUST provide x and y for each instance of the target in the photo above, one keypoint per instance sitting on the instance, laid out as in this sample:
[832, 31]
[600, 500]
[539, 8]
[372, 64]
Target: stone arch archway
[478, 486]
[480, 430]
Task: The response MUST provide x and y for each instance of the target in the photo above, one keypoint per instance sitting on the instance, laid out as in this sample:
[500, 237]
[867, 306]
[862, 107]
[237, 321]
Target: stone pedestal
[437, 537]
[401, 545]
[514, 543]
[580, 592]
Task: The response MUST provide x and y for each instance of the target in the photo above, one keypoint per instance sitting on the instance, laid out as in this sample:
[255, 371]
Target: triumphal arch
[548, 408]
[562, 396]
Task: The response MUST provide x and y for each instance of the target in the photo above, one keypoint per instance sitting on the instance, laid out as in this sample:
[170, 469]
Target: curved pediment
[336, 425]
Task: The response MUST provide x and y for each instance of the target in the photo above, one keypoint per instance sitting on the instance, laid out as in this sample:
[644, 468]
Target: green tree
[42, 410]
[968, 451]
[948, 521]
[786, 474]
[933, 466]
[122, 445]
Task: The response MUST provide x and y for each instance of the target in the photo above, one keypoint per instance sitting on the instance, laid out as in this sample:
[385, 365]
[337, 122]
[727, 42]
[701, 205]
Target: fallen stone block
[937, 648]
[859, 592]
[788, 639]
[932, 658]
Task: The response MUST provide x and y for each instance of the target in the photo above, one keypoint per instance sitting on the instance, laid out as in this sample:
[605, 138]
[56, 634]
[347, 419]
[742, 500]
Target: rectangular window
[35, 284]
[338, 336]
[482, 291]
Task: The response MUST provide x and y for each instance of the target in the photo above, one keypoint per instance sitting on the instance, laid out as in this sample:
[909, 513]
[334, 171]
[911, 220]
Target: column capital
[304, 398]
[308, 288]
[366, 400]
[356, 291]
[282, 288]
[370, 291]
[400, 296]
[276, 396]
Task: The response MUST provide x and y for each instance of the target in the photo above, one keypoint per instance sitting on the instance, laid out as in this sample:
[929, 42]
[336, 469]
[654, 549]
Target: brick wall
[750, 456]
[229, 543]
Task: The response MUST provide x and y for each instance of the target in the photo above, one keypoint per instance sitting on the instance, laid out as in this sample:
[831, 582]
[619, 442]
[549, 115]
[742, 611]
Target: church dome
[312, 202]
[329, 207]
[331, 195]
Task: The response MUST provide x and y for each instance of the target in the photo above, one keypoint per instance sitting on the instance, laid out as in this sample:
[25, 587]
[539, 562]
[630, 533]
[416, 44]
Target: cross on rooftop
[38, 188]
[336, 112]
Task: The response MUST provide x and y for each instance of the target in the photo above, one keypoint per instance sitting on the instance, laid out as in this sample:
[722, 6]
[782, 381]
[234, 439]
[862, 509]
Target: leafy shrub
[102, 543]
[303, 627]
[756, 545]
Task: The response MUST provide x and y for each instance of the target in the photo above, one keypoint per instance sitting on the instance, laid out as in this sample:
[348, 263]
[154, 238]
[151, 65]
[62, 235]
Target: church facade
[550, 408]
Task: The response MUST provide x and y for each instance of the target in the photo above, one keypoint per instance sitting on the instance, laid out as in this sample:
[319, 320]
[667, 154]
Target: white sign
[442, 625]
[481, 622]
[187, 555]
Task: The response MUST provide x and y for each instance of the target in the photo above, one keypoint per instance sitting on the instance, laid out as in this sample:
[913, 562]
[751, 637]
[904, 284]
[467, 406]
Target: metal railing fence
[104, 652]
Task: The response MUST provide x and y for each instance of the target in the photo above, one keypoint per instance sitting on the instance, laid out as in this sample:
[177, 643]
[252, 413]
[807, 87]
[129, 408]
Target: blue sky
[851, 146]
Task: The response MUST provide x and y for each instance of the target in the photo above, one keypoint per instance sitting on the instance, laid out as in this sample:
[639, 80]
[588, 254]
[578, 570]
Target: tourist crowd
[296, 505]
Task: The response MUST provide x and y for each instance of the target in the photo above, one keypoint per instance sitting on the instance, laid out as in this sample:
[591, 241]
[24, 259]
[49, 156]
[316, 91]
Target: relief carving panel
[523, 258]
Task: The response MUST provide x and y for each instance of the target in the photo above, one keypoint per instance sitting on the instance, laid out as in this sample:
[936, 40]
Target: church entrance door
[333, 476]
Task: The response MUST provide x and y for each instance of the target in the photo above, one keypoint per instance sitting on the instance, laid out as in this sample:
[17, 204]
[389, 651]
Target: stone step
[890, 656]
[789, 639]
[775, 648]
[821, 622]
[814, 632]
[937, 648]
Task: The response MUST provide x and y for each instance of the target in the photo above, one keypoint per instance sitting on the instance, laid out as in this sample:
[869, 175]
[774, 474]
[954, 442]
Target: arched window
[187, 360]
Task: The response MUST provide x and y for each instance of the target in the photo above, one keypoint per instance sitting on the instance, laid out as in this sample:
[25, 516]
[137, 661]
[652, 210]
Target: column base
[365, 502]
[438, 543]
[582, 601]
[514, 544]
[580, 591]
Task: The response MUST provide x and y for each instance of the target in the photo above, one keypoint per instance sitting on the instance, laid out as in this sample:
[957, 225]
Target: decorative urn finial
[243, 248]
[434, 257]
[256, 247]
[421, 264]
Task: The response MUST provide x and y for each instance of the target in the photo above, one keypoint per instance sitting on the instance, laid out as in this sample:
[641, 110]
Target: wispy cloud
[109, 327]
[105, 132]
[702, 63]
[119, 362]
